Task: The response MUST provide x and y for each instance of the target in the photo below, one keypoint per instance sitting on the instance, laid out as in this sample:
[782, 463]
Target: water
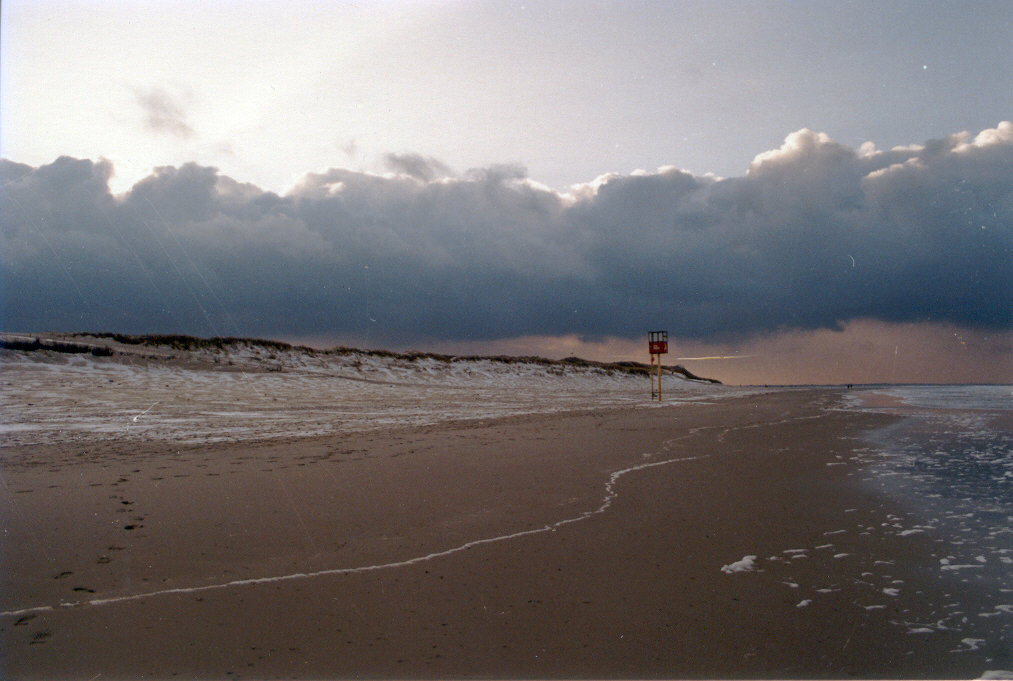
[949, 462]
[950, 397]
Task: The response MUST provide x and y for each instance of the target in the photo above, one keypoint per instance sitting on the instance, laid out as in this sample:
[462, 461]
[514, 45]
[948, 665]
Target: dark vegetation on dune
[55, 346]
[222, 343]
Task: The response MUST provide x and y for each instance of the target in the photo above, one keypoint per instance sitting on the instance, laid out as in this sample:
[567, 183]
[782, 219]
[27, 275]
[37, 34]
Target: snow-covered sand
[248, 391]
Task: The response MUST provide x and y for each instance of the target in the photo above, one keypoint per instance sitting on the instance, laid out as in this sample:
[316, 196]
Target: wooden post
[657, 342]
[659, 378]
[651, 374]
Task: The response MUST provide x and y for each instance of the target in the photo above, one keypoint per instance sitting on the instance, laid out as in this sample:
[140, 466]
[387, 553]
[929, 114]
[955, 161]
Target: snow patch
[246, 392]
[971, 643]
[747, 564]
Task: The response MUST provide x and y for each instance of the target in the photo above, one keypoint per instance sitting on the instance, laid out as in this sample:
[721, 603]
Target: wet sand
[564, 545]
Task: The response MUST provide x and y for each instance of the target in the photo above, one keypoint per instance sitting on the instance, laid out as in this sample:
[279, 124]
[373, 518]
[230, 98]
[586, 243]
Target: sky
[809, 191]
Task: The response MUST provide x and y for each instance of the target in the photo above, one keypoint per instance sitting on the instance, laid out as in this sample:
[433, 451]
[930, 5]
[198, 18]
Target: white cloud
[999, 135]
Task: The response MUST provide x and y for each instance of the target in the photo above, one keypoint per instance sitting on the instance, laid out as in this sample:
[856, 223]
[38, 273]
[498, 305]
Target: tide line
[610, 496]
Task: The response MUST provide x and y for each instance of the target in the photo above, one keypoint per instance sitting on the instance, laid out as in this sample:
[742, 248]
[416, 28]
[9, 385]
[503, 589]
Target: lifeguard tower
[657, 343]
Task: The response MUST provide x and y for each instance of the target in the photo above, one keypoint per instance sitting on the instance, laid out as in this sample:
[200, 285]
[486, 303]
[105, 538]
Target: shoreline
[590, 544]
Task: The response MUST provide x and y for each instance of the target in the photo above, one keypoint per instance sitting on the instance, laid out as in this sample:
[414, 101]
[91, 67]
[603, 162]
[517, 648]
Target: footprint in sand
[40, 637]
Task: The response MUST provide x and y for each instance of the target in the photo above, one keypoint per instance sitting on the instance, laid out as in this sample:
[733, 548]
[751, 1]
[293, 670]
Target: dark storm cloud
[813, 235]
[163, 112]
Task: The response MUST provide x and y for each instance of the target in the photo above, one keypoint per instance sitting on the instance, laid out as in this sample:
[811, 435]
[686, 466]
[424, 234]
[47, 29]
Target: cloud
[163, 112]
[815, 234]
[420, 167]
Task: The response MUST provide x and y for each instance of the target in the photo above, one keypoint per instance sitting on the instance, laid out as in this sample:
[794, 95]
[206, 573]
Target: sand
[566, 545]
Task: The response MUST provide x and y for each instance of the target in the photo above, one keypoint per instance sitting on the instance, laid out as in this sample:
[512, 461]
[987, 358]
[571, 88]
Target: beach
[726, 537]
